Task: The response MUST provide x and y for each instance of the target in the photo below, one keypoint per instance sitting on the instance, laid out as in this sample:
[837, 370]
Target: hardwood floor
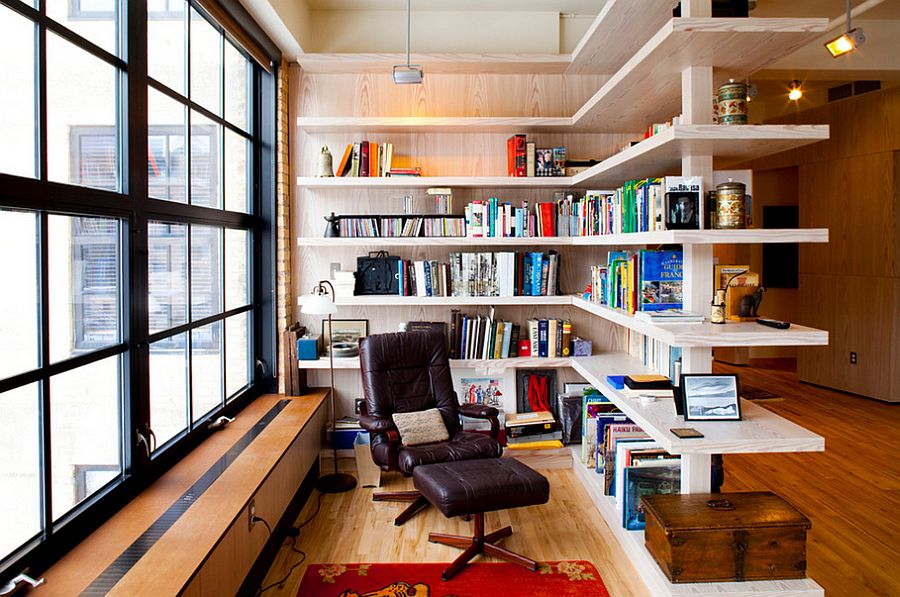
[851, 492]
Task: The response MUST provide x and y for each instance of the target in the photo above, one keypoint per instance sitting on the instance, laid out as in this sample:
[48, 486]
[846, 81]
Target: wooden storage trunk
[725, 537]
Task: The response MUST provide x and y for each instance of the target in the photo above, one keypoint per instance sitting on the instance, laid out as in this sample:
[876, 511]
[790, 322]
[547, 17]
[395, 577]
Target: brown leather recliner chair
[407, 372]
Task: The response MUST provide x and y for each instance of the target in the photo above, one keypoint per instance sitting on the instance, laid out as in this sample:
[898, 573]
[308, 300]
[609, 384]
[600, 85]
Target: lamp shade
[318, 304]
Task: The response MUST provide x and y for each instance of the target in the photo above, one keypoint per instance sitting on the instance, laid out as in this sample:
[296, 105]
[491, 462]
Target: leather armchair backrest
[408, 372]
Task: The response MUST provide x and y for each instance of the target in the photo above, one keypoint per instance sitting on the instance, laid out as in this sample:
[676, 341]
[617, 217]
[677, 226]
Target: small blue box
[345, 438]
[308, 348]
[616, 381]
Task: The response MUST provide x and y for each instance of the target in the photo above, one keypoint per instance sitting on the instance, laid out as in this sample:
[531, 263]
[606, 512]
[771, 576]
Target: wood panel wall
[851, 185]
[461, 154]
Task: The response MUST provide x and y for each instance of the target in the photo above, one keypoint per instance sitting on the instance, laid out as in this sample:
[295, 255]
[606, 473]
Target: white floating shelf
[434, 124]
[632, 542]
[422, 241]
[731, 333]
[683, 237]
[661, 154]
[648, 87]
[388, 300]
[480, 365]
[761, 430]
[414, 182]
[656, 156]
[612, 38]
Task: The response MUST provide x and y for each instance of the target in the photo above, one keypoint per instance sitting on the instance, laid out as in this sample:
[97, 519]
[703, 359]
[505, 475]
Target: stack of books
[533, 431]
[482, 337]
[504, 274]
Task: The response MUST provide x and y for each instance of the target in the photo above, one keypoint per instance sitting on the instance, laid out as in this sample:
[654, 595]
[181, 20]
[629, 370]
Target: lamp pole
[317, 305]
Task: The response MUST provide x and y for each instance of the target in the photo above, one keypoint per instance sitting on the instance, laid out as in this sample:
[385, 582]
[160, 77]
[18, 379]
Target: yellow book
[547, 444]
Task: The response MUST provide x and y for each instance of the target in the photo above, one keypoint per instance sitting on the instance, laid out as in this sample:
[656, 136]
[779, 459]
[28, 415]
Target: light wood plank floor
[851, 492]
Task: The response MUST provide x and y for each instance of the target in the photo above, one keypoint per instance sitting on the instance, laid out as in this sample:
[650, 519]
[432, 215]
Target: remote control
[774, 323]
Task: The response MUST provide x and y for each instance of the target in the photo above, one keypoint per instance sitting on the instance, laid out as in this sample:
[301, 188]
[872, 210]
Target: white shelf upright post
[696, 106]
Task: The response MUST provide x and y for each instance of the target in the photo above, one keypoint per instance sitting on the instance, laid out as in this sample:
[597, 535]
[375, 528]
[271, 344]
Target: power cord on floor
[293, 533]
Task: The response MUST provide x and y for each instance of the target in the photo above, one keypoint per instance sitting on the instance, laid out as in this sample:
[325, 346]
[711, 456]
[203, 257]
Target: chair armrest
[376, 424]
[479, 411]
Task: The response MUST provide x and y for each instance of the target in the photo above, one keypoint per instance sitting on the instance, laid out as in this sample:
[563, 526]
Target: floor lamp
[321, 302]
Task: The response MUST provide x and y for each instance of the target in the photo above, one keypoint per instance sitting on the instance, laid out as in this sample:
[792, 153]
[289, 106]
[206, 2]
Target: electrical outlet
[852, 358]
[251, 514]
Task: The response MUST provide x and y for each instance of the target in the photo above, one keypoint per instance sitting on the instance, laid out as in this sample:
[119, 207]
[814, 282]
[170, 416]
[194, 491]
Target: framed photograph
[536, 390]
[481, 390]
[710, 397]
[345, 330]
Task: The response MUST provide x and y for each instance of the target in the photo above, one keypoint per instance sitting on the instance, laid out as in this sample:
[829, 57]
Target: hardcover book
[641, 481]
[683, 206]
[662, 280]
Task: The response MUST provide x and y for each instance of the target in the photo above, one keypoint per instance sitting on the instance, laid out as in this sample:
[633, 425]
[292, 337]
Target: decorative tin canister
[733, 103]
[730, 210]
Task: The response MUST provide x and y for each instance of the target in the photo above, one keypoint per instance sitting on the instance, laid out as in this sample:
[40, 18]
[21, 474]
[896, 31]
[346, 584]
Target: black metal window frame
[134, 209]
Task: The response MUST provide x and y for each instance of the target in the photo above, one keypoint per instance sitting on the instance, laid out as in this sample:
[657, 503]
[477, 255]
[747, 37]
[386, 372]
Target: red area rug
[552, 579]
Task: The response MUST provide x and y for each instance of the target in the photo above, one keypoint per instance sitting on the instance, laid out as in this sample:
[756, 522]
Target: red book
[364, 158]
[547, 226]
[516, 156]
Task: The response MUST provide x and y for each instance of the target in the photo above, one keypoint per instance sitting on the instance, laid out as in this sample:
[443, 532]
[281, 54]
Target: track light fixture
[796, 92]
[408, 74]
[848, 41]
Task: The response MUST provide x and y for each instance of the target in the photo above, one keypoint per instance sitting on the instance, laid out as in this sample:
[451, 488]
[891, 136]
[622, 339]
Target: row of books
[645, 280]
[493, 219]
[648, 205]
[366, 159]
[524, 158]
[654, 354]
[509, 273]
[401, 226]
[483, 337]
[631, 463]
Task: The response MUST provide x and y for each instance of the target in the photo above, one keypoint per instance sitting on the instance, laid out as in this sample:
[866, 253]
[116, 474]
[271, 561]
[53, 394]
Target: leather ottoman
[473, 487]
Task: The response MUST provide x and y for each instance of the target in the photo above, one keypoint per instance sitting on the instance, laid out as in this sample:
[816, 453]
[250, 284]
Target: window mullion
[46, 509]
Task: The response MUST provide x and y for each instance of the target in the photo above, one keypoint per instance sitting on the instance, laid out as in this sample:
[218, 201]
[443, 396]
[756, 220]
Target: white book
[624, 445]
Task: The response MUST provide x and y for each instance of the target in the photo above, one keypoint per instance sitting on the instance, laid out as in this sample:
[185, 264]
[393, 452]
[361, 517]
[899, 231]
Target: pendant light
[408, 74]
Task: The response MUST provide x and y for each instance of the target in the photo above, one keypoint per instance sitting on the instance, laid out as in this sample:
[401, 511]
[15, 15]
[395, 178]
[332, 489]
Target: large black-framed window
[136, 200]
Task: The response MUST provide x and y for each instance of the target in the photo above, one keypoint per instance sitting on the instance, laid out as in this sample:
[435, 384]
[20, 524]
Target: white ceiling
[590, 7]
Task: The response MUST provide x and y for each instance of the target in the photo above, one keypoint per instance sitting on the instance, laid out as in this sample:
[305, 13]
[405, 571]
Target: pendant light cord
[409, 26]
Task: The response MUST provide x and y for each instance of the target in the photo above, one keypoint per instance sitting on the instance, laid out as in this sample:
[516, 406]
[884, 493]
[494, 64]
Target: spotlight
[847, 42]
[795, 92]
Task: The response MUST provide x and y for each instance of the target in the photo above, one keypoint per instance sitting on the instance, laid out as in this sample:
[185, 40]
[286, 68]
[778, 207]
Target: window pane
[236, 268]
[85, 432]
[236, 172]
[206, 273]
[237, 343]
[20, 467]
[168, 275]
[206, 374]
[82, 135]
[237, 78]
[166, 154]
[166, 43]
[205, 141]
[19, 309]
[206, 64]
[168, 387]
[94, 20]
[84, 285]
[17, 108]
